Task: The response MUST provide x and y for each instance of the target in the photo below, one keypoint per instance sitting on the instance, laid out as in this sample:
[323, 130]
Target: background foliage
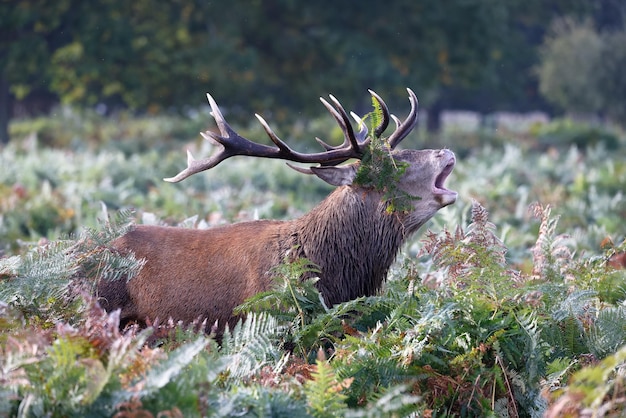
[282, 54]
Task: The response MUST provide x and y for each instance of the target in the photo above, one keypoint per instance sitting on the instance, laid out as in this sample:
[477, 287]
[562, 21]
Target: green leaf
[323, 392]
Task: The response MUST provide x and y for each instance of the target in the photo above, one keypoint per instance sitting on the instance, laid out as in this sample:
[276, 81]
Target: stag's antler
[354, 144]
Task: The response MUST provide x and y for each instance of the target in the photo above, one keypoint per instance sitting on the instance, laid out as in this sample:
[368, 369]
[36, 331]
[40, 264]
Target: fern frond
[608, 332]
[45, 283]
[577, 305]
[481, 233]
[106, 264]
[372, 360]
[256, 401]
[293, 298]
[95, 257]
[249, 346]
[551, 254]
[109, 229]
[324, 392]
[599, 387]
[376, 115]
[390, 402]
[41, 284]
[165, 372]
[557, 371]
[330, 326]
[529, 324]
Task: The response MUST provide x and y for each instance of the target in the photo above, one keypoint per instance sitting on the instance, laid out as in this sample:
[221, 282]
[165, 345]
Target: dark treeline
[276, 55]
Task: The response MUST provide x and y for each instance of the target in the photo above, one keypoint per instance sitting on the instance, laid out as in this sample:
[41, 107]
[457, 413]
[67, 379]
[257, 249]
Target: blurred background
[99, 99]
[278, 56]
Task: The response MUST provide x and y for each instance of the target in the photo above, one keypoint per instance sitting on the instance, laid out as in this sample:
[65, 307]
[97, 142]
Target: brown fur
[191, 274]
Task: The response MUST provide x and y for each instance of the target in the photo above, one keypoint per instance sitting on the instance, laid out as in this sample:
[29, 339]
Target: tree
[612, 77]
[567, 73]
[317, 47]
[142, 54]
[27, 38]
[582, 69]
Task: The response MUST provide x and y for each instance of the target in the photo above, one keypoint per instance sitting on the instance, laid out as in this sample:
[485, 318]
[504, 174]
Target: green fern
[329, 327]
[45, 283]
[302, 316]
[579, 305]
[77, 376]
[293, 298]
[250, 346]
[257, 401]
[324, 392]
[109, 229]
[372, 360]
[41, 286]
[376, 115]
[532, 350]
[598, 388]
[172, 383]
[95, 257]
[379, 170]
[607, 333]
[390, 402]
[164, 373]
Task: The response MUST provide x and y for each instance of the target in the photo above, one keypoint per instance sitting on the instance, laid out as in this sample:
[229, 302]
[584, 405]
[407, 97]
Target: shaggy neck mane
[352, 239]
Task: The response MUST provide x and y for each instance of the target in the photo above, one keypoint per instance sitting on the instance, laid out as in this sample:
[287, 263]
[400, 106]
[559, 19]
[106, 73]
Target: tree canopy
[582, 69]
[279, 55]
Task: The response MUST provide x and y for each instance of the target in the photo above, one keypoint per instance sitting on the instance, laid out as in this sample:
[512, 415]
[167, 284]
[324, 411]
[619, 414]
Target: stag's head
[410, 182]
[413, 178]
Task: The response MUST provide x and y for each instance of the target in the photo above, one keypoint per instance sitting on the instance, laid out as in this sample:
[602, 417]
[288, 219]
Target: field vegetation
[509, 303]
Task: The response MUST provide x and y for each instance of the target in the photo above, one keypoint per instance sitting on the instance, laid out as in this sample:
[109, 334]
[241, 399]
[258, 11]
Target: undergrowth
[466, 334]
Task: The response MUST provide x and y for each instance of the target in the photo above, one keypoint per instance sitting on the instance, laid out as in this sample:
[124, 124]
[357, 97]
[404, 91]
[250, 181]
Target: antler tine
[356, 140]
[328, 147]
[378, 131]
[275, 139]
[361, 136]
[342, 119]
[230, 142]
[348, 130]
[404, 128]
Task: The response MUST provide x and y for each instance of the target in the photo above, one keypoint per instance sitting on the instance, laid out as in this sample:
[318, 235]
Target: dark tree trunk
[4, 110]
[433, 122]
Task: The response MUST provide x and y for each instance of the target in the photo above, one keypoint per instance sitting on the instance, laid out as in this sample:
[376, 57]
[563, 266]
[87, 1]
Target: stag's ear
[341, 175]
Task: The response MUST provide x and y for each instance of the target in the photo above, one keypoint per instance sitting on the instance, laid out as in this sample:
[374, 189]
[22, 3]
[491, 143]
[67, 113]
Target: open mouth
[441, 178]
[446, 196]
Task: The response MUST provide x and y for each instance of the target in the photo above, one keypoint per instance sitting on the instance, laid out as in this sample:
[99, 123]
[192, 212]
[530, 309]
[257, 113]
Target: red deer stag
[351, 235]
